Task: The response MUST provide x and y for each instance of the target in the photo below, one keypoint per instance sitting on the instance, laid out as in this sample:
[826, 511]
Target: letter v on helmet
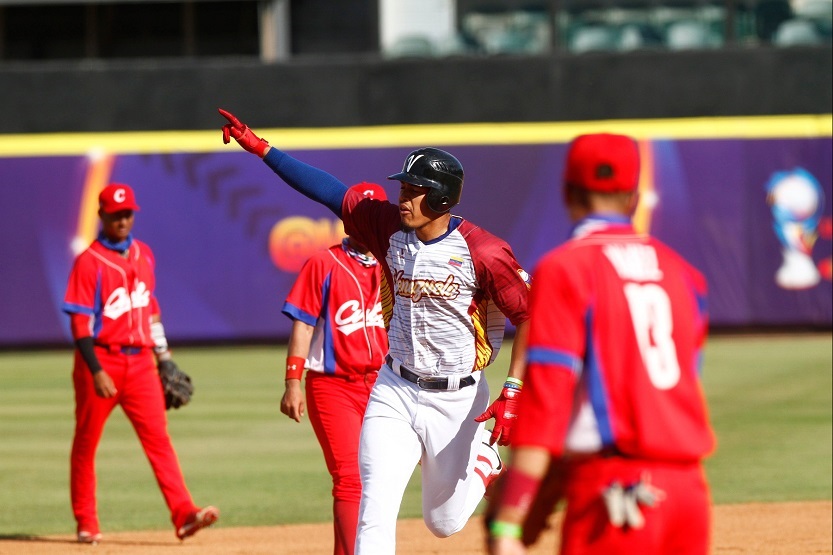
[411, 160]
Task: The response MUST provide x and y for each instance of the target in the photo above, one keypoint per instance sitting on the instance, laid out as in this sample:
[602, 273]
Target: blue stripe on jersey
[702, 303]
[297, 314]
[593, 376]
[311, 182]
[702, 313]
[98, 309]
[329, 344]
[555, 357]
[71, 308]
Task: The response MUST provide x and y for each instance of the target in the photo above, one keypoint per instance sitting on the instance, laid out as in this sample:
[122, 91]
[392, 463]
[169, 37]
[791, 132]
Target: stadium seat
[593, 38]
[411, 46]
[796, 32]
[508, 32]
[688, 35]
[813, 9]
[633, 36]
[630, 38]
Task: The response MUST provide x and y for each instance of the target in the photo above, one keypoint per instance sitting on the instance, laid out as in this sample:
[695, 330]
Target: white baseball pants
[404, 424]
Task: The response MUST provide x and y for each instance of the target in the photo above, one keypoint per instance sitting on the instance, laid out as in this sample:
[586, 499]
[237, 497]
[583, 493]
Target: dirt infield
[753, 529]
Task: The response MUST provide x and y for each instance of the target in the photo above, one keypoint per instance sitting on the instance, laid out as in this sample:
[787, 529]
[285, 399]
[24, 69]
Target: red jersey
[617, 324]
[117, 292]
[339, 296]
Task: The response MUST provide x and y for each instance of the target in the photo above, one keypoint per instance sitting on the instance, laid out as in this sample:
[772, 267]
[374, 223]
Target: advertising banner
[754, 215]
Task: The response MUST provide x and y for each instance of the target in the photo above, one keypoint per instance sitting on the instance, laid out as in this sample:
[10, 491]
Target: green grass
[771, 405]
[770, 401]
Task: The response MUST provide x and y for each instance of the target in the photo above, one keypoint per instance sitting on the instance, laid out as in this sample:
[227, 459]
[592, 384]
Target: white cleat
[91, 538]
[488, 464]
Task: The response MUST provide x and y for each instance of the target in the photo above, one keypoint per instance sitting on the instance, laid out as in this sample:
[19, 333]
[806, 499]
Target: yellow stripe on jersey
[483, 349]
[386, 299]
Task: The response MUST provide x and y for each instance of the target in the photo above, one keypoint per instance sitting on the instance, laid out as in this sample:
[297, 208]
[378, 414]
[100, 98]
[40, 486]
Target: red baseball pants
[140, 396]
[336, 408]
[678, 524]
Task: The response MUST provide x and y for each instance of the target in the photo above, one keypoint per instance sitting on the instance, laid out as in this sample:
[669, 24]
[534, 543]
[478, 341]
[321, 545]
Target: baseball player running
[117, 329]
[617, 323]
[338, 334]
[448, 288]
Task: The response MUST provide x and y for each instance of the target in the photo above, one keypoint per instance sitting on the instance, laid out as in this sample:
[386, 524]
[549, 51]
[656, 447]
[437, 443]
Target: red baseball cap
[370, 190]
[116, 197]
[603, 162]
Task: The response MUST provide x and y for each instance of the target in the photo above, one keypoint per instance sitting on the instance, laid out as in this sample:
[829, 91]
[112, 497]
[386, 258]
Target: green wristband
[500, 529]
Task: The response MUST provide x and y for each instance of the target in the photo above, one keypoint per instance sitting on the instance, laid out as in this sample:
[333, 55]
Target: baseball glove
[546, 501]
[176, 384]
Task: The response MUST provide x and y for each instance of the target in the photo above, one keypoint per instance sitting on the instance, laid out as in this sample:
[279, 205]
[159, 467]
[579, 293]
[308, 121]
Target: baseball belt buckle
[431, 382]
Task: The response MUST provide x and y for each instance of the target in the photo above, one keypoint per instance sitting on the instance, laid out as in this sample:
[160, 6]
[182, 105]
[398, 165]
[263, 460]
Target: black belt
[427, 382]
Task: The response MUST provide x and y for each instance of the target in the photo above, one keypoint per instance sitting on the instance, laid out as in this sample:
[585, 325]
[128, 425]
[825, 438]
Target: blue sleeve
[296, 313]
[311, 182]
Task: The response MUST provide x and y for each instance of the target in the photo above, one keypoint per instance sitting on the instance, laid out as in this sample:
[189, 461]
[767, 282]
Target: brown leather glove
[176, 384]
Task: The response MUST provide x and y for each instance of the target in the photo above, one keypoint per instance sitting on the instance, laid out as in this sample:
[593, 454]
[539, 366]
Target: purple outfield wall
[753, 214]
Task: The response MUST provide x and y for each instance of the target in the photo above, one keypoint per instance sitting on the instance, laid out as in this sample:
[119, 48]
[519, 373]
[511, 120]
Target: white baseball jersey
[446, 301]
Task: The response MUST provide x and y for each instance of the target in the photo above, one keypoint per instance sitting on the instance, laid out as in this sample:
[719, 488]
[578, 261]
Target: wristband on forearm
[513, 383]
[295, 367]
[501, 529]
[519, 490]
[86, 348]
[160, 342]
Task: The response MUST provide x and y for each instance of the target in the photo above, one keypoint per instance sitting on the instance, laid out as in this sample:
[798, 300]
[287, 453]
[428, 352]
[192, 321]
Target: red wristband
[519, 490]
[295, 367]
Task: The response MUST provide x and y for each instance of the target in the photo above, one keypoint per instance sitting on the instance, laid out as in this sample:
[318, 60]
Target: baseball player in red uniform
[448, 287]
[617, 325]
[118, 335]
[338, 334]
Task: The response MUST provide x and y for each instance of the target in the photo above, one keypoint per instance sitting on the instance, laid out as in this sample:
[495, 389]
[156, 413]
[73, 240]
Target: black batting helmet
[438, 170]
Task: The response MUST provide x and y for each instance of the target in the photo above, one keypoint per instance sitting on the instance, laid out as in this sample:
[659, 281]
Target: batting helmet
[437, 170]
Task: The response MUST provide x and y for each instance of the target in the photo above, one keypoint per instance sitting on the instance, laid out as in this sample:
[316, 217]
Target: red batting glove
[243, 135]
[505, 411]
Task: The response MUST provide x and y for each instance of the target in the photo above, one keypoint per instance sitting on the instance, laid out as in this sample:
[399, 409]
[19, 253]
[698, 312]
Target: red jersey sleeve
[499, 274]
[82, 286]
[305, 300]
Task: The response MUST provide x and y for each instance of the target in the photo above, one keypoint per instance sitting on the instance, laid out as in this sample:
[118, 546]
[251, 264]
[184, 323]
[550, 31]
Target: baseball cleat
[494, 454]
[201, 519]
[91, 538]
[488, 465]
